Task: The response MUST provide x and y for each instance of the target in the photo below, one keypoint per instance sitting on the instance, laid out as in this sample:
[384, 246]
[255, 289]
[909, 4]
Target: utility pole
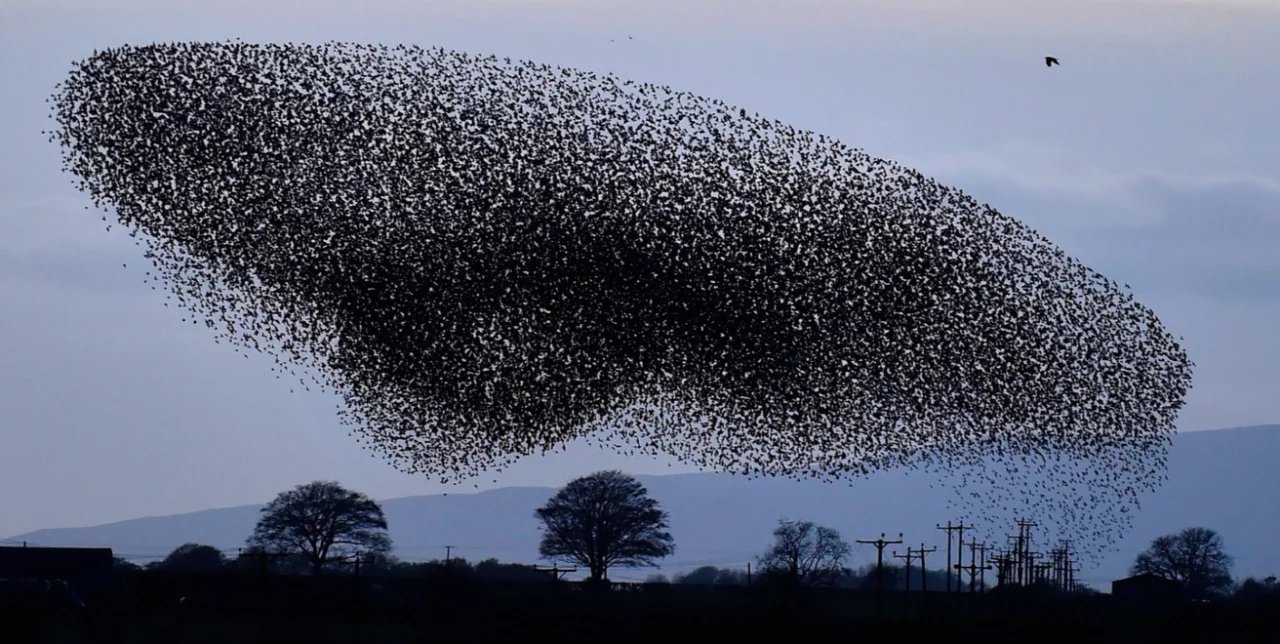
[973, 566]
[924, 570]
[1061, 562]
[1026, 558]
[1068, 568]
[448, 552]
[557, 573]
[973, 562]
[911, 554]
[982, 567]
[1042, 570]
[1003, 562]
[880, 544]
[961, 568]
[951, 528]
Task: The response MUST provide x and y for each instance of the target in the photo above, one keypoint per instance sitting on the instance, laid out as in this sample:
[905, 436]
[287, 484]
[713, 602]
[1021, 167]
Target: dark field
[155, 607]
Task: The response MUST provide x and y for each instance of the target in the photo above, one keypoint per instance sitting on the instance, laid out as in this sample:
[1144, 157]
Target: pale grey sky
[1151, 154]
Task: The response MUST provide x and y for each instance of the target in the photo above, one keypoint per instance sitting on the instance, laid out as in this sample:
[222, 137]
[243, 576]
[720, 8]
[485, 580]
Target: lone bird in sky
[1050, 61]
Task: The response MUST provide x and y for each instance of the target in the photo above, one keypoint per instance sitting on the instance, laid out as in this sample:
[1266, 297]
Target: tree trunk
[598, 571]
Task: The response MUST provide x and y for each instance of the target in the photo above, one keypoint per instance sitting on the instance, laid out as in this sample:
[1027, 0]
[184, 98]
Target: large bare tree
[322, 521]
[805, 554]
[602, 520]
[1194, 557]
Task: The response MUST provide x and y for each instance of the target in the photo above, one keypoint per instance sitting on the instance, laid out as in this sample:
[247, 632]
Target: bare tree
[1194, 557]
[602, 520]
[322, 521]
[805, 554]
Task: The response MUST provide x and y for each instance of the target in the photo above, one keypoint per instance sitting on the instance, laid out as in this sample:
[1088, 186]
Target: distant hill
[1222, 479]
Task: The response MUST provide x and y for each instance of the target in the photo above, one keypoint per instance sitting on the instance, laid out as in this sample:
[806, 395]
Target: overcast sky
[1151, 154]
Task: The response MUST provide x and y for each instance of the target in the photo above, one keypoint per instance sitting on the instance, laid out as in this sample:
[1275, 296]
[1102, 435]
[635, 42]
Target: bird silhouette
[1050, 61]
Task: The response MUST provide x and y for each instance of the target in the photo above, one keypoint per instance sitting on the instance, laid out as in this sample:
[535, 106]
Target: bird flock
[489, 258]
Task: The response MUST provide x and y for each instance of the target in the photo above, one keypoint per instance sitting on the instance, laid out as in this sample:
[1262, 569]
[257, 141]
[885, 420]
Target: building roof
[23, 559]
[1146, 578]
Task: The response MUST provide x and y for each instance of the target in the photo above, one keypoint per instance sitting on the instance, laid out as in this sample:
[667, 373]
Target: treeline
[863, 578]
[201, 558]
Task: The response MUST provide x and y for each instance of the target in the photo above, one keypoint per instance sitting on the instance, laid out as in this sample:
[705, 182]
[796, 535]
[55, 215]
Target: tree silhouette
[805, 554]
[193, 557]
[494, 570]
[1194, 557]
[602, 520]
[711, 575]
[321, 521]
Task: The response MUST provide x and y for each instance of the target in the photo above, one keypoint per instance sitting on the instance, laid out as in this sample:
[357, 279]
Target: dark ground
[159, 607]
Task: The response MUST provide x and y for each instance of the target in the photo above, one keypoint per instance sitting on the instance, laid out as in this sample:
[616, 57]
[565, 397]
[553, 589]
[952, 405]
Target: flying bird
[774, 303]
[1050, 61]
